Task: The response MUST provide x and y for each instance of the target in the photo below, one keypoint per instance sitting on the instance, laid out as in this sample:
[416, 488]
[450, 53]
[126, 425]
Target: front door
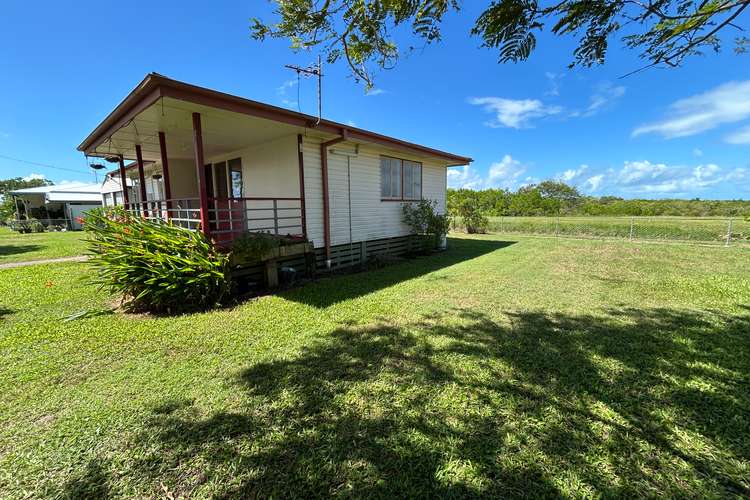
[224, 190]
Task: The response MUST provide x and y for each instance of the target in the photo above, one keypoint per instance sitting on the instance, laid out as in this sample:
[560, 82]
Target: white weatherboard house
[224, 165]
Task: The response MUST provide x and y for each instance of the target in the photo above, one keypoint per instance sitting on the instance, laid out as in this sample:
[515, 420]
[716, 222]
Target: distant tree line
[553, 198]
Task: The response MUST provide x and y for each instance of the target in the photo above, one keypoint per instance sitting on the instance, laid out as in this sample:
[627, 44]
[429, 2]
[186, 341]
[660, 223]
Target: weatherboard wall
[359, 181]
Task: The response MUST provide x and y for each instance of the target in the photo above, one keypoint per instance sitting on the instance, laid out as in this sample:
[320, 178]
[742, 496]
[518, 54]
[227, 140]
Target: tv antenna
[312, 70]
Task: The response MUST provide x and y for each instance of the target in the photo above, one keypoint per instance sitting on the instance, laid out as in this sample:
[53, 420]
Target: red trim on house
[155, 86]
[301, 161]
[199, 170]
[165, 171]
[141, 178]
[124, 183]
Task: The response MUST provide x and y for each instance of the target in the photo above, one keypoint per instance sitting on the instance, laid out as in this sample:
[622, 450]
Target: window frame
[401, 197]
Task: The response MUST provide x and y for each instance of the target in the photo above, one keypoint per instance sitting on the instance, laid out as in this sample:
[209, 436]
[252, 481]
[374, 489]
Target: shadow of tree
[17, 249]
[5, 311]
[633, 402]
[92, 483]
[358, 284]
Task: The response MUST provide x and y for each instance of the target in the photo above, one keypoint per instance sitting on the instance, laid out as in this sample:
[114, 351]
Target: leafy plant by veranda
[155, 266]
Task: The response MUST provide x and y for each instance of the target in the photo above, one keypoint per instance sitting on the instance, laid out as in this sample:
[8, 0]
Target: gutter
[324, 173]
[154, 87]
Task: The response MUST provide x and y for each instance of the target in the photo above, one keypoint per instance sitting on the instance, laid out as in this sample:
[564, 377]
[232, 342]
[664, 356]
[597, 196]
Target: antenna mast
[313, 70]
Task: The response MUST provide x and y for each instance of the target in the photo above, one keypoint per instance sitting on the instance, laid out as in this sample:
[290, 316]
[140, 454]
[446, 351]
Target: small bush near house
[26, 226]
[424, 220]
[155, 266]
[472, 218]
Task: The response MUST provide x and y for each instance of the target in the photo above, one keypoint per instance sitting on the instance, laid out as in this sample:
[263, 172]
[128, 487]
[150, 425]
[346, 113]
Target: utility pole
[313, 70]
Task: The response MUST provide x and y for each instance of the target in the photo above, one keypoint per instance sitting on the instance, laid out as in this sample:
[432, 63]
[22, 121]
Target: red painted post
[301, 161]
[165, 171]
[141, 178]
[124, 183]
[199, 171]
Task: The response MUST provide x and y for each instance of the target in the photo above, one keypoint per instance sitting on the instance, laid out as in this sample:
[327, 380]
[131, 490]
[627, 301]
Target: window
[235, 170]
[400, 179]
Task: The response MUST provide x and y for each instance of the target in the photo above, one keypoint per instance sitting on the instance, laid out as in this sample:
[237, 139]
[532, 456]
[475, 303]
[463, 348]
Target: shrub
[424, 220]
[155, 266]
[35, 226]
[251, 246]
[24, 226]
[473, 220]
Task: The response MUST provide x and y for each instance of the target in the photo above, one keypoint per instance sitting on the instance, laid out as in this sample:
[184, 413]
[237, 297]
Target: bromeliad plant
[155, 266]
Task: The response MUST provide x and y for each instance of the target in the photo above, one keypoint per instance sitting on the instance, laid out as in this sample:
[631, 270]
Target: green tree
[560, 197]
[664, 32]
[7, 209]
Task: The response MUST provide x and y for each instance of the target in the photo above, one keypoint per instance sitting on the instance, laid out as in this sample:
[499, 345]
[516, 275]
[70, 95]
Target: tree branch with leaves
[361, 32]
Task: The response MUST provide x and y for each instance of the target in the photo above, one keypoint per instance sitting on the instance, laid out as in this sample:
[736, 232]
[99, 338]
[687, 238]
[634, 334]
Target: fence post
[632, 221]
[557, 226]
[501, 223]
[729, 233]
[275, 217]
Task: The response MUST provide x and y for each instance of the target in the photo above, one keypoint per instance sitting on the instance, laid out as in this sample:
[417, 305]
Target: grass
[505, 366]
[695, 229]
[16, 247]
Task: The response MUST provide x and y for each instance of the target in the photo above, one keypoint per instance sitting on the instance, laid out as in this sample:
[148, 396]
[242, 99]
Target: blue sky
[662, 133]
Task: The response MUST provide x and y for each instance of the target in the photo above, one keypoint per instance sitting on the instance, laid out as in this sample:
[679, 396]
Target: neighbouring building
[58, 205]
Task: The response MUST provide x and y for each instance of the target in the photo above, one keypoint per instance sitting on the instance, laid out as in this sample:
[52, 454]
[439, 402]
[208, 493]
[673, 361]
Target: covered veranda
[205, 161]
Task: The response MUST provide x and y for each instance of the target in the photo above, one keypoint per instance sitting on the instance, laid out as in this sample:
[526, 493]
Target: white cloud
[34, 177]
[282, 92]
[351, 123]
[697, 152]
[604, 95]
[464, 177]
[554, 83]
[374, 92]
[727, 103]
[284, 87]
[741, 136]
[514, 113]
[593, 183]
[638, 178]
[572, 174]
[506, 174]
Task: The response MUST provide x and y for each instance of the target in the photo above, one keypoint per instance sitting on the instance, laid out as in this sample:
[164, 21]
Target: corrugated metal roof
[73, 187]
[88, 197]
[74, 192]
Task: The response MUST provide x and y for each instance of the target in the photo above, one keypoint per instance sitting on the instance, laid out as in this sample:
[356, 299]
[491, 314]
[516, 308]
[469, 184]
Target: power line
[43, 165]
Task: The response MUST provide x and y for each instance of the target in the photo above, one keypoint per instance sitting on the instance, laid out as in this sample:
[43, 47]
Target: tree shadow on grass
[5, 311]
[635, 402]
[91, 483]
[342, 288]
[17, 249]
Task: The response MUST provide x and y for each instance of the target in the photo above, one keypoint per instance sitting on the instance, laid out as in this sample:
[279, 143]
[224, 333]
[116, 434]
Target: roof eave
[154, 86]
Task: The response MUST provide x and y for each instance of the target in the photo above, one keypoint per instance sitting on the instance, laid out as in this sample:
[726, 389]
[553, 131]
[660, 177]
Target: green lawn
[16, 247]
[505, 367]
[695, 229]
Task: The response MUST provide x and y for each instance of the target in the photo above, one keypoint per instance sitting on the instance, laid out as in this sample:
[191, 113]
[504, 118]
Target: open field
[506, 366]
[15, 247]
[695, 229]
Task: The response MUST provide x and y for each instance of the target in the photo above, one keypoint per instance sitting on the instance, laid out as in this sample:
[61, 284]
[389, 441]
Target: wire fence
[706, 230]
